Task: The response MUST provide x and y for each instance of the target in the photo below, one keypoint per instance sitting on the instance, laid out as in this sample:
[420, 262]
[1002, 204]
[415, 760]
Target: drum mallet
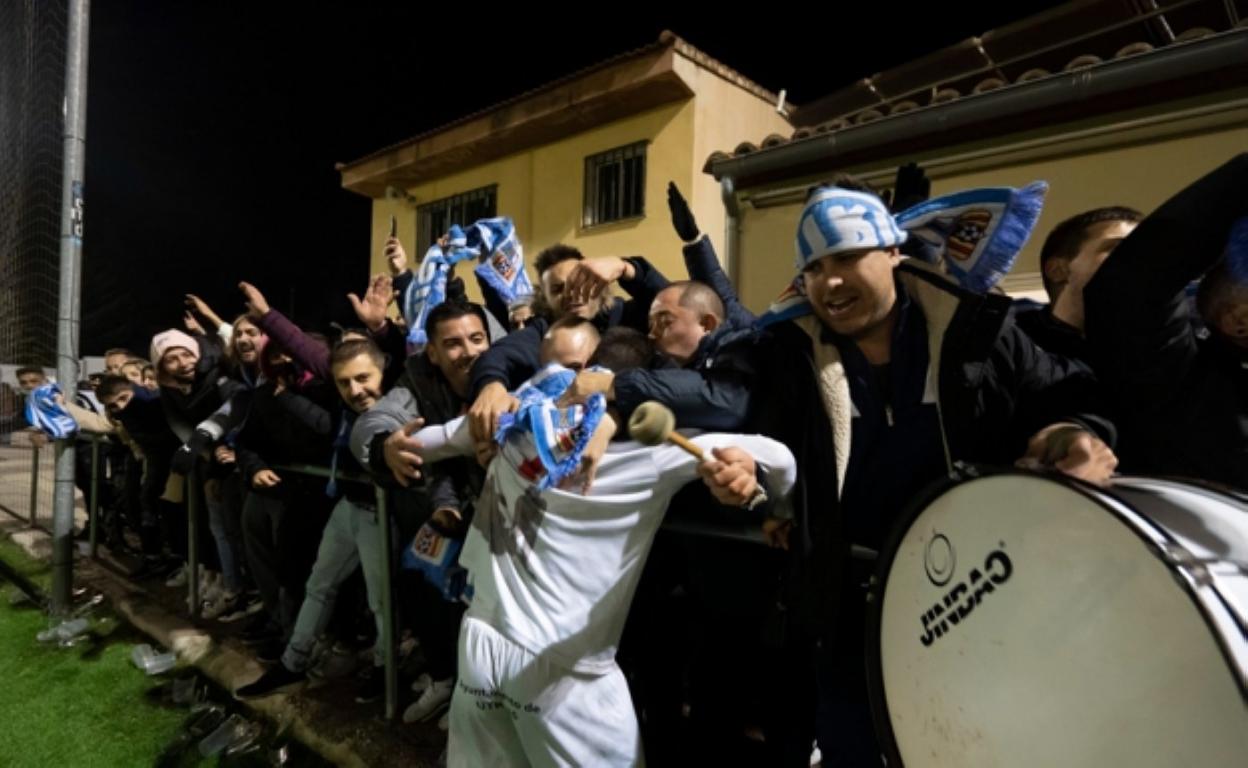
[654, 423]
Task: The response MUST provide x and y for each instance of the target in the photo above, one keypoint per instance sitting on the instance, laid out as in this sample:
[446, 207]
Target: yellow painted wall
[725, 116]
[1141, 175]
[513, 175]
[767, 253]
[542, 190]
[559, 178]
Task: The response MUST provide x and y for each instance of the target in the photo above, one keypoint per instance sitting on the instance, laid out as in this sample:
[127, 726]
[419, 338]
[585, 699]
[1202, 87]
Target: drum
[1024, 620]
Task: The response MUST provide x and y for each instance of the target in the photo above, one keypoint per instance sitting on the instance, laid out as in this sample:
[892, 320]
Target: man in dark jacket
[193, 382]
[705, 338]
[571, 285]
[1183, 399]
[706, 371]
[1070, 256]
[193, 386]
[893, 374]
[138, 410]
[290, 421]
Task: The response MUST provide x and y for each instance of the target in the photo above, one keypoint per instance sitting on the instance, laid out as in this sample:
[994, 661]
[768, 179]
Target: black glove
[185, 458]
[911, 187]
[682, 218]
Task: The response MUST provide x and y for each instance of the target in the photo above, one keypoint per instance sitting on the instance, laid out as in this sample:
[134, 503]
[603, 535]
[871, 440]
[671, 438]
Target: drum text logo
[958, 602]
[939, 559]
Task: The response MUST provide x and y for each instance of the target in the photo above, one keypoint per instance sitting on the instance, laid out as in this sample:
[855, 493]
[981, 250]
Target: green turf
[80, 706]
[15, 557]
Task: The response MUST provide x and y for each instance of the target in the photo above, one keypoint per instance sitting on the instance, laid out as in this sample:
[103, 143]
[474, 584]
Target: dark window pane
[615, 185]
[435, 218]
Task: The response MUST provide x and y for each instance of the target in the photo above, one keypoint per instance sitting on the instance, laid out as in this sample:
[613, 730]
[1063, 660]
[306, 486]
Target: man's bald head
[681, 315]
[571, 342]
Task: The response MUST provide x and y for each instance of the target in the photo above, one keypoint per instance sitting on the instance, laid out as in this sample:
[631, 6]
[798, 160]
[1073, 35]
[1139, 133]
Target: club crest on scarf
[968, 231]
[559, 435]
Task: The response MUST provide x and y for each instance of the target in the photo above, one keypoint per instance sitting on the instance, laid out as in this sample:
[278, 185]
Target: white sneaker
[432, 701]
[421, 683]
[178, 579]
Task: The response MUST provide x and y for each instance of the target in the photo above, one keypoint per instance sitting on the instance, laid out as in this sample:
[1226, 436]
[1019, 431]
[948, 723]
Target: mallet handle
[681, 441]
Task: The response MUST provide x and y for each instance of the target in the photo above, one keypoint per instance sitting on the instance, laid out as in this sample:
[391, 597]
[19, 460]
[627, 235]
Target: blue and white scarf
[44, 413]
[428, 289]
[975, 234]
[491, 241]
[560, 435]
[502, 259]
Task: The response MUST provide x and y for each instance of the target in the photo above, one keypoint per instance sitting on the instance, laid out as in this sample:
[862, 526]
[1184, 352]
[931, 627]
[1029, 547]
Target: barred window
[434, 219]
[615, 185]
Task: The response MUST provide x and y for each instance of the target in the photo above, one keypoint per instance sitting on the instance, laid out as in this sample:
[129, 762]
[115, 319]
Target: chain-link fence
[27, 479]
[26, 475]
[32, 92]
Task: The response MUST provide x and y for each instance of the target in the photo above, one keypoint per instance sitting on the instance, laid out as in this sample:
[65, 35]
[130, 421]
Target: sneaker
[433, 700]
[336, 663]
[421, 682]
[372, 685]
[211, 587]
[178, 579]
[226, 602]
[274, 679]
[245, 607]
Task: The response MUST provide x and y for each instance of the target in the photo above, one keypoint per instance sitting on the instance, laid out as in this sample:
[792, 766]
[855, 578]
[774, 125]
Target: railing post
[192, 542]
[34, 485]
[389, 651]
[94, 502]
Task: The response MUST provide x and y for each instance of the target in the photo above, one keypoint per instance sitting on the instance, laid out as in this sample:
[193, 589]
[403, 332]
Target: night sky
[213, 128]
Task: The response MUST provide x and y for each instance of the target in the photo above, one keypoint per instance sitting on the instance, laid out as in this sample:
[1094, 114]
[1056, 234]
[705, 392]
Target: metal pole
[94, 502]
[34, 486]
[72, 176]
[192, 542]
[389, 651]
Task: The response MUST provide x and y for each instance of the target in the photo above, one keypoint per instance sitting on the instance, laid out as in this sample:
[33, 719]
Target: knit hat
[167, 340]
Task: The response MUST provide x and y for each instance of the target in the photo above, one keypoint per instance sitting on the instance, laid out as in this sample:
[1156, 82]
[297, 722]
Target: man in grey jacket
[432, 390]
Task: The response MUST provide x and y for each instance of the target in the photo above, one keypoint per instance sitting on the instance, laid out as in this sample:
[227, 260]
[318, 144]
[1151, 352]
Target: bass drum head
[1020, 622]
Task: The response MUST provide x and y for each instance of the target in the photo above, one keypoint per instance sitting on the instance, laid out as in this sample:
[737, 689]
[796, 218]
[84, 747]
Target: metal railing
[39, 487]
[389, 646]
[27, 482]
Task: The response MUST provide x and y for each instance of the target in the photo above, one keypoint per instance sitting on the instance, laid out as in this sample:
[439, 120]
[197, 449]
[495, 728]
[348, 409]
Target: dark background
[213, 128]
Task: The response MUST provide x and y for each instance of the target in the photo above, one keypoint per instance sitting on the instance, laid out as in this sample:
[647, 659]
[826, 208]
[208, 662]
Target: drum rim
[961, 475]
